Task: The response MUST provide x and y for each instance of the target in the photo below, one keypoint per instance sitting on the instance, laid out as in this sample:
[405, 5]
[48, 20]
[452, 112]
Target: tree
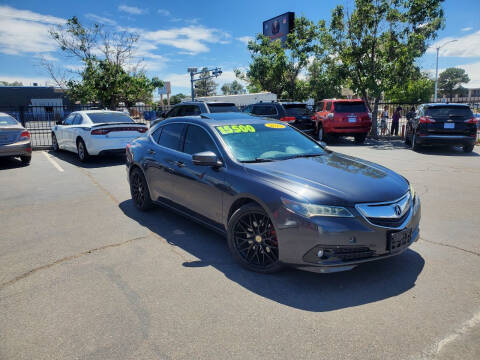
[205, 87]
[325, 79]
[13, 83]
[450, 81]
[233, 88]
[377, 43]
[412, 91]
[107, 75]
[276, 67]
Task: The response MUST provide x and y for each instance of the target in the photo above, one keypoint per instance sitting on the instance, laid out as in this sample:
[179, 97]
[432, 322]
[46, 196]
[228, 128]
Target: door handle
[151, 151]
[179, 164]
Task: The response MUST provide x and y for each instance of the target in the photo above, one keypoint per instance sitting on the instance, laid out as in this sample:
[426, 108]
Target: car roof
[344, 100]
[99, 112]
[444, 104]
[196, 102]
[218, 119]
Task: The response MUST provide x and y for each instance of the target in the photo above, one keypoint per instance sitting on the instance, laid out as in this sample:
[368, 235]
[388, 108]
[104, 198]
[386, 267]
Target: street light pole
[194, 71]
[436, 68]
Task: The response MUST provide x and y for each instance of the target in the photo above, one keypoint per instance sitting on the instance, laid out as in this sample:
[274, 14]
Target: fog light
[320, 253]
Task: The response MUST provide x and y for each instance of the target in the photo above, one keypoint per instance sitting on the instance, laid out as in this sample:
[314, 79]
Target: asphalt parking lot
[84, 275]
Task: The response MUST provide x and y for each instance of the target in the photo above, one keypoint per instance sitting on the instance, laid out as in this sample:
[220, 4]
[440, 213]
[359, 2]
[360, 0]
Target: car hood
[332, 178]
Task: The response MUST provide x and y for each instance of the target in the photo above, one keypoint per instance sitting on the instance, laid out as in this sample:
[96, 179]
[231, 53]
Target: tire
[139, 190]
[82, 151]
[360, 139]
[407, 140]
[415, 145]
[55, 142]
[252, 240]
[26, 160]
[468, 148]
[320, 133]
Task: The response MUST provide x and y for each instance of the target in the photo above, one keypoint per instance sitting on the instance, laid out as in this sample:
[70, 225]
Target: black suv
[442, 124]
[294, 113]
[191, 108]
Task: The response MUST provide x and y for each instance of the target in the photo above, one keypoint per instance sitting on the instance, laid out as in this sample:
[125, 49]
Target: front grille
[349, 253]
[389, 222]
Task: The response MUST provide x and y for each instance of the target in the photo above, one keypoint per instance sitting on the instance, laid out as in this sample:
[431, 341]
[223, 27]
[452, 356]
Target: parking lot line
[53, 162]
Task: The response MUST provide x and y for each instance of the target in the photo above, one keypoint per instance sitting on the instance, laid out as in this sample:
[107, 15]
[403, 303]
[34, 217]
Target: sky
[175, 35]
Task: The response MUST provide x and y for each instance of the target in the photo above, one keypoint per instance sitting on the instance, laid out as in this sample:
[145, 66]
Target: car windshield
[109, 117]
[350, 107]
[267, 142]
[448, 111]
[296, 109]
[220, 108]
[7, 120]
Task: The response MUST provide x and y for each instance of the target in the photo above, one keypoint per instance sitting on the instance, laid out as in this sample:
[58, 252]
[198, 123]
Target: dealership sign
[279, 27]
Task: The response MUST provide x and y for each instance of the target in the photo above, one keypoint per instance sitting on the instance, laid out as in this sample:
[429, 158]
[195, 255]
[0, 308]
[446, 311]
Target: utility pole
[436, 68]
[216, 72]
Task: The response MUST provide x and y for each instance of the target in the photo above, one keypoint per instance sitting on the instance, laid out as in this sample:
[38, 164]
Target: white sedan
[95, 132]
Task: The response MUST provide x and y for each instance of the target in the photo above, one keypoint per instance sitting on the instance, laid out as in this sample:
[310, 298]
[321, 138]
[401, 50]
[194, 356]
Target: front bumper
[445, 140]
[348, 241]
[23, 148]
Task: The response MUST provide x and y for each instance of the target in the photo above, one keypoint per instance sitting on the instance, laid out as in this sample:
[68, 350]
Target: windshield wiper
[257, 160]
[301, 156]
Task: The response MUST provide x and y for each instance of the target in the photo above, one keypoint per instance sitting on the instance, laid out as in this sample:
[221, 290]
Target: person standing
[395, 121]
[383, 122]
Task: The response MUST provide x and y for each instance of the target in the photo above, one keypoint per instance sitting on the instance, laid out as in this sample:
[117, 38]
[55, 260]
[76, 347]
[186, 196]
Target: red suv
[342, 117]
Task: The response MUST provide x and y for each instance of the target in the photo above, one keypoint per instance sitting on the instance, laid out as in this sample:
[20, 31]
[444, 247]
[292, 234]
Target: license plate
[449, 126]
[352, 119]
[399, 240]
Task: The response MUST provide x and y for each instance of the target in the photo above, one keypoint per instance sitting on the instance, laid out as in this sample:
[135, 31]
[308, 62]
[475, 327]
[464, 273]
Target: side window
[172, 112]
[181, 110]
[320, 106]
[156, 134]
[77, 119]
[329, 106]
[198, 140]
[264, 110]
[190, 110]
[69, 119]
[248, 109]
[171, 135]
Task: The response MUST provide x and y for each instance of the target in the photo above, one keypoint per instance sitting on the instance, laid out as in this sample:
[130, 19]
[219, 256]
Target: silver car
[15, 140]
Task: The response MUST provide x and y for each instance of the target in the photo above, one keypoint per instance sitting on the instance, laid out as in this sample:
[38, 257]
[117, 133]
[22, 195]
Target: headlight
[412, 191]
[310, 210]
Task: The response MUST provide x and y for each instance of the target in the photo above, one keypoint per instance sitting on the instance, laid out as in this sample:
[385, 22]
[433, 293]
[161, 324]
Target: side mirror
[206, 158]
[59, 122]
[163, 114]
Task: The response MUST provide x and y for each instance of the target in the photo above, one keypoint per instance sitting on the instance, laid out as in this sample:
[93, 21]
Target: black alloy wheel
[139, 190]
[253, 240]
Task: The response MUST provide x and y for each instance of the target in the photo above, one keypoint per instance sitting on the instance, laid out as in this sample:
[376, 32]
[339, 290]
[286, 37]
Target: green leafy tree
[233, 88]
[276, 67]
[378, 41]
[205, 87]
[450, 81]
[106, 76]
[13, 83]
[417, 90]
[325, 79]
[175, 99]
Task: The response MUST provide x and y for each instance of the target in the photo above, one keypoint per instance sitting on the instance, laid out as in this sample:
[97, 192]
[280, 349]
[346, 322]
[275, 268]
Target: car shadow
[447, 151]
[93, 162]
[7, 163]
[314, 292]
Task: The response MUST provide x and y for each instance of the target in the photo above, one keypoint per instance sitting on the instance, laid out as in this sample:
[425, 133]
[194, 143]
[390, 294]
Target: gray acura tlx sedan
[280, 197]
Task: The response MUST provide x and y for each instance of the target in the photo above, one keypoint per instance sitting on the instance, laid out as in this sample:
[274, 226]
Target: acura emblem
[398, 210]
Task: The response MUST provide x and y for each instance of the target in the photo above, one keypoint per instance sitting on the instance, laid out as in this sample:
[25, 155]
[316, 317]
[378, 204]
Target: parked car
[442, 124]
[15, 140]
[95, 132]
[342, 117]
[192, 108]
[293, 113]
[280, 197]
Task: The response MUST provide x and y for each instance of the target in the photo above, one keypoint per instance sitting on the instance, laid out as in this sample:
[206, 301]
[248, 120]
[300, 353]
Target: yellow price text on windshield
[234, 129]
[275, 126]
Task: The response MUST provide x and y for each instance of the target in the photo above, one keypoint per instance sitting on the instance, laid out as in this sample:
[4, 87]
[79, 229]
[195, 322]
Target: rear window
[449, 111]
[350, 107]
[219, 108]
[7, 120]
[264, 110]
[99, 118]
[296, 109]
